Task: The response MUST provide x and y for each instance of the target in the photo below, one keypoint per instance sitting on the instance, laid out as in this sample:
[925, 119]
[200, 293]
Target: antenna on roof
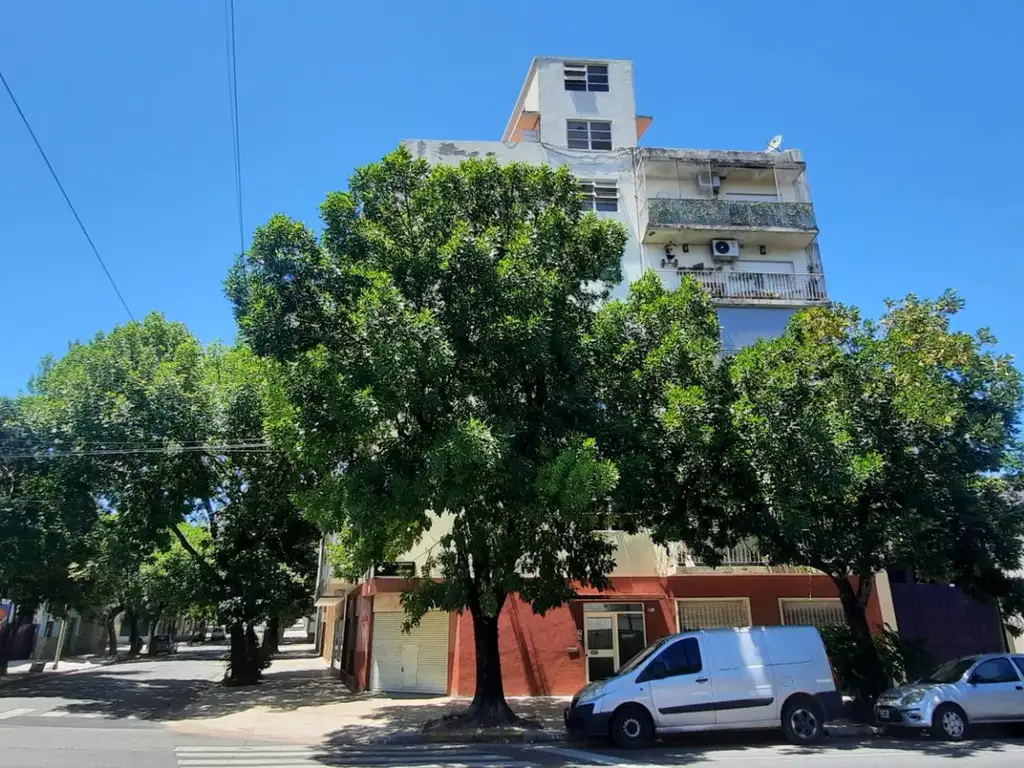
[774, 144]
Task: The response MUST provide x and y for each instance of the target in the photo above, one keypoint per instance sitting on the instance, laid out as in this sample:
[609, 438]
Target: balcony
[781, 223]
[744, 557]
[769, 288]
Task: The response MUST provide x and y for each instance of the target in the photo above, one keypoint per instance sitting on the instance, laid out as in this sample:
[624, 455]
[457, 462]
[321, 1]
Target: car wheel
[803, 721]
[949, 723]
[632, 727]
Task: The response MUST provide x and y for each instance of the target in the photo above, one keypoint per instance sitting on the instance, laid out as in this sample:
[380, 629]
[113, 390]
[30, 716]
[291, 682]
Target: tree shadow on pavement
[683, 749]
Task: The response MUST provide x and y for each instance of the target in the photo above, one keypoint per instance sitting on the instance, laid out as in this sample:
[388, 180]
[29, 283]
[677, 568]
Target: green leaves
[436, 363]
[875, 444]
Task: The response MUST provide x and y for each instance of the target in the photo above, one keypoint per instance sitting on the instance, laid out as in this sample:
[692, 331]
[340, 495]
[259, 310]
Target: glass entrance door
[614, 633]
[601, 658]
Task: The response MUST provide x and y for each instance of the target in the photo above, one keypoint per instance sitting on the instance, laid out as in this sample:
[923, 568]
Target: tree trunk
[108, 622]
[152, 625]
[134, 639]
[855, 603]
[488, 707]
[9, 636]
[271, 635]
[244, 666]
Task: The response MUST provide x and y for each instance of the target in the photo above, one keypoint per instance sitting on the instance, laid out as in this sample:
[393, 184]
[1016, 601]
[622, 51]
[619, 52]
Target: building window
[814, 613]
[599, 196]
[711, 614]
[586, 77]
[590, 134]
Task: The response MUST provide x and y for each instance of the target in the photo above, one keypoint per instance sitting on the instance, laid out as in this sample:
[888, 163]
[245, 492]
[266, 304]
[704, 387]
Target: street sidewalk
[299, 702]
[22, 668]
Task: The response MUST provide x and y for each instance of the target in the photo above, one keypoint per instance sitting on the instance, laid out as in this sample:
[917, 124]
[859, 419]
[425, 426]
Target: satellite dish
[774, 144]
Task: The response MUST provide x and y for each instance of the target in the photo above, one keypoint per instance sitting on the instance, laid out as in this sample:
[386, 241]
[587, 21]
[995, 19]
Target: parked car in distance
[217, 635]
[975, 689]
[714, 679]
[162, 644]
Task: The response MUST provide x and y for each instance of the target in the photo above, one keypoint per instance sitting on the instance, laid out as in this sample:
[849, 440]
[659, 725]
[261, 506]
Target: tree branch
[203, 562]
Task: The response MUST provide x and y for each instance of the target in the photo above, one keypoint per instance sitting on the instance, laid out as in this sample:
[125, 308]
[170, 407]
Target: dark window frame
[1010, 667]
[580, 77]
[601, 195]
[594, 135]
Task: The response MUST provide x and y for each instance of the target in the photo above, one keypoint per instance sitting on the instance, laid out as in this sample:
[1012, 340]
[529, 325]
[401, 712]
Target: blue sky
[908, 113]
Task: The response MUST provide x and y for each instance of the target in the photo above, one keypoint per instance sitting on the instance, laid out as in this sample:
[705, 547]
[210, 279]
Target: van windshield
[641, 657]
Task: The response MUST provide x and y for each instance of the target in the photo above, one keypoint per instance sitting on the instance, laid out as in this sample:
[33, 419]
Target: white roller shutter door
[413, 663]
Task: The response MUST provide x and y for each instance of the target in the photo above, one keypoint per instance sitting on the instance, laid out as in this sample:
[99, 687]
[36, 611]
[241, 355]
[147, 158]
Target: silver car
[976, 689]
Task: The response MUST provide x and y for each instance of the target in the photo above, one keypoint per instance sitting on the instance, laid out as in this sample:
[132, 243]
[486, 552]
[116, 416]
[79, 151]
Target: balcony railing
[769, 286]
[743, 556]
[730, 214]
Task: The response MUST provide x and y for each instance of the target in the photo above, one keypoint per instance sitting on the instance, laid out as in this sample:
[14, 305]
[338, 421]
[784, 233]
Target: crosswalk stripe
[15, 712]
[393, 756]
[55, 713]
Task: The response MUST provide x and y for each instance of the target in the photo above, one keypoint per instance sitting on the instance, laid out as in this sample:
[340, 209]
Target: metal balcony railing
[744, 555]
[741, 554]
[730, 214]
[770, 286]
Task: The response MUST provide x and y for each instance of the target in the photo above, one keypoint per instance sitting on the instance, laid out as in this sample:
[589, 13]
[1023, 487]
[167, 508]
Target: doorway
[613, 634]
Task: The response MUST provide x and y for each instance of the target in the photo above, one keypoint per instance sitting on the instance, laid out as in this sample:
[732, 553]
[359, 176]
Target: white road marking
[15, 712]
[586, 757]
[393, 756]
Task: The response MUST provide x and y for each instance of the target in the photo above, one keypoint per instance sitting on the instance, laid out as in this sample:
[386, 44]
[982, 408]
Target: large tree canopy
[435, 340]
[159, 431]
[881, 444]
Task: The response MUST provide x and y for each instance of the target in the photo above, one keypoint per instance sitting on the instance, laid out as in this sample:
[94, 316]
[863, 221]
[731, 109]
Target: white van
[714, 679]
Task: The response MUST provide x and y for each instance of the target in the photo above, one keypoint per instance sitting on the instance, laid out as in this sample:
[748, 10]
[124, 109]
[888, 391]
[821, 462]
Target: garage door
[410, 663]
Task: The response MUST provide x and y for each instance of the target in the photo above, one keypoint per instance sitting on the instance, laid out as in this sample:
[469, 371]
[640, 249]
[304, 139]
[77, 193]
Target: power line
[258, 447]
[67, 199]
[229, 34]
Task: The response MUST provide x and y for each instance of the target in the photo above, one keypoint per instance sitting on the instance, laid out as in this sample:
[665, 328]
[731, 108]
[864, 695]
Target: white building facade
[741, 223]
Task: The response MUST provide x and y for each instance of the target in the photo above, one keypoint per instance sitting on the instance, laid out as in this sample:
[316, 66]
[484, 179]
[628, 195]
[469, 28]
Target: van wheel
[632, 727]
[803, 721]
[949, 723]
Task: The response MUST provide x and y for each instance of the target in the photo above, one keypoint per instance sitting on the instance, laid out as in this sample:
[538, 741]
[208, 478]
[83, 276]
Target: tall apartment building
[743, 224]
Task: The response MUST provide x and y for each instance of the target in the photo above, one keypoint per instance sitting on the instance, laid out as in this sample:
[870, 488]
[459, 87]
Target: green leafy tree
[45, 510]
[666, 418]
[175, 433]
[881, 444]
[436, 362]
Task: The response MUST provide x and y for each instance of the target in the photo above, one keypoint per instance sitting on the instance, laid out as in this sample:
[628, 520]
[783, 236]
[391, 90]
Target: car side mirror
[973, 680]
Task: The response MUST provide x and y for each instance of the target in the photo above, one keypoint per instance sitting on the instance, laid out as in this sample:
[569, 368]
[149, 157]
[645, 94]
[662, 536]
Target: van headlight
[591, 693]
[913, 698]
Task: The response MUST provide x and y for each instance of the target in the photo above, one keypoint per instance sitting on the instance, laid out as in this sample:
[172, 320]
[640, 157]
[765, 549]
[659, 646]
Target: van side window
[682, 658]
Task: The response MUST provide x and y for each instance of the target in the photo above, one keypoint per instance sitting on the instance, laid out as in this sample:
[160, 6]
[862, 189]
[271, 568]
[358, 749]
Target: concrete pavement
[158, 713]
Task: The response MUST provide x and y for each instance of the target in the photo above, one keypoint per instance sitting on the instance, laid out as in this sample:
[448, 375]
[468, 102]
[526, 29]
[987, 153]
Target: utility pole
[61, 636]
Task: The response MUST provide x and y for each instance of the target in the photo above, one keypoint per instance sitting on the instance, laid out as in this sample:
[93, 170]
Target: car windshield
[949, 672]
[639, 659]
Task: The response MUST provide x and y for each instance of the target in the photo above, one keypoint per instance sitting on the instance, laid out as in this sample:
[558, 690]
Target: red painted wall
[543, 655]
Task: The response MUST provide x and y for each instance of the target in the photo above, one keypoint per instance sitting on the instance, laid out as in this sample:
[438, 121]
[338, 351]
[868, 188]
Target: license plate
[883, 714]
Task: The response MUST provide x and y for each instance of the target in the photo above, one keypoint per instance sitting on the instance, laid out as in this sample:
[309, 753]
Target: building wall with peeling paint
[584, 164]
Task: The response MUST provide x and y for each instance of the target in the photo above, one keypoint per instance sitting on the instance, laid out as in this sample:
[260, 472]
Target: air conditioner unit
[725, 250]
[710, 181]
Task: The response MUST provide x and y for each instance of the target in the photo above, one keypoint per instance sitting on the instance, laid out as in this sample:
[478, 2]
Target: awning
[328, 602]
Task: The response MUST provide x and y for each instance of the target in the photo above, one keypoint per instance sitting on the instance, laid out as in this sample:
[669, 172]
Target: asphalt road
[109, 718]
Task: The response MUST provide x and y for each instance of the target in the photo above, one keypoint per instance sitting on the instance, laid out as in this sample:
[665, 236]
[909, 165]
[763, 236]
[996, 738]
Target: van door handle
[702, 680]
[1020, 687]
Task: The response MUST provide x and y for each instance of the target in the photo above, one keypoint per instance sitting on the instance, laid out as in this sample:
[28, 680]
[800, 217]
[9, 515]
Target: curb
[531, 736]
[851, 731]
[10, 678]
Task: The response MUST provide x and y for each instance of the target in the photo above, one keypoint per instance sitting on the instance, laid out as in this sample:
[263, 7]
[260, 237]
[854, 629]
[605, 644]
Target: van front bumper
[581, 721]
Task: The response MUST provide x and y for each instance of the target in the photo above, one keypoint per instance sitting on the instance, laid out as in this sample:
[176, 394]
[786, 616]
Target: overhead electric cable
[67, 199]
